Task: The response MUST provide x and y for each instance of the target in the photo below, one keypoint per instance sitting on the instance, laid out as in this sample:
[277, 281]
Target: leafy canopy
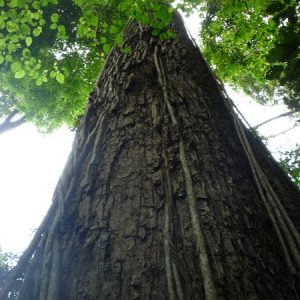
[290, 161]
[52, 50]
[255, 45]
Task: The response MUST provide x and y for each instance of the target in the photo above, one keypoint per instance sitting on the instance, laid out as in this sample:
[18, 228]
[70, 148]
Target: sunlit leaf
[20, 74]
[54, 18]
[28, 41]
[60, 78]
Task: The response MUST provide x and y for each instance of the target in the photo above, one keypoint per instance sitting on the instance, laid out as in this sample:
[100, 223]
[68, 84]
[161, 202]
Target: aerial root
[205, 268]
[287, 234]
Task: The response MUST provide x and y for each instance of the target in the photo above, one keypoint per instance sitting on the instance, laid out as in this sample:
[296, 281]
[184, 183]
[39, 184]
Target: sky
[31, 163]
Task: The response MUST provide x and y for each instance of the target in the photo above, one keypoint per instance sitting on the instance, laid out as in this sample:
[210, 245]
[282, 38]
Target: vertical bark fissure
[171, 267]
[179, 290]
[167, 224]
[205, 268]
[96, 146]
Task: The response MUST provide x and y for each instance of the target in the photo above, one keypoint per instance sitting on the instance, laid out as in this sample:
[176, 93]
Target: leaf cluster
[7, 261]
[290, 161]
[52, 50]
[255, 45]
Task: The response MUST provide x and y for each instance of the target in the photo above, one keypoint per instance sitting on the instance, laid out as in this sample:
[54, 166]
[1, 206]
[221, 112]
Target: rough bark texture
[158, 199]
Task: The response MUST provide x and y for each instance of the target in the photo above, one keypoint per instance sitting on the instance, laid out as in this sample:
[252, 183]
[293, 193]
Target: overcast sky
[31, 163]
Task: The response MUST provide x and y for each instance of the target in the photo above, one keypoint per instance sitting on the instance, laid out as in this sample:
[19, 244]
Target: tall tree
[166, 195]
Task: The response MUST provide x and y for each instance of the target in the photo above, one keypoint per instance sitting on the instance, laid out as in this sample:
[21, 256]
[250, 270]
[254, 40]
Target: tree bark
[161, 197]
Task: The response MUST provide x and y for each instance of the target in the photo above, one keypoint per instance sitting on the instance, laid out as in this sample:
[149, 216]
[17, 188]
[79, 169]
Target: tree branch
[11, 115]
[281, 132]
[286, 114]
[7, 125]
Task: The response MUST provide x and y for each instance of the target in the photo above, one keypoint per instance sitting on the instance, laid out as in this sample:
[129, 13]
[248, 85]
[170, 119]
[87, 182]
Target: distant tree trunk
[165, 194]
[8, 124]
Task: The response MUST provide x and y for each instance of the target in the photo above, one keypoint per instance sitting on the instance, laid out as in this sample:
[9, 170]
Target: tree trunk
[165, 194]
[8, 124]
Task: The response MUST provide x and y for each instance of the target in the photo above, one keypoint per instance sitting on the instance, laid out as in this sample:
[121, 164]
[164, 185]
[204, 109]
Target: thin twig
[281, 132]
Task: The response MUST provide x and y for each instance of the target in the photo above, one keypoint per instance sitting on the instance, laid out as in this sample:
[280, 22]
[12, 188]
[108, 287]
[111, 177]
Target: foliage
[290, 161]
[52, 50]
[7, 261]
[255, 45]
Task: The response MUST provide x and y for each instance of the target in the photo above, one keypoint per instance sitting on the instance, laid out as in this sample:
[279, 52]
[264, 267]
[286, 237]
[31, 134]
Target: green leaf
[14, 38]
[28, 41]
[36, 16]
[61, 29]
[54, 18]
[11, 47]
[170, 9]
[62, 32]
[53, 74]
[44, 3]
[40, 80]
[36, 4]
[26, 53]
[155, 32]
[20, 74]
[106, 48]
[25, 29]
[127, 50]
[42, 22]
[37, 31]
[15, 67]
[113, 29]
[171, 33]
[34, 74]
[53, 26]
[94, 20]
[119, 39]
[13, 3]
[1, 59]
[11, 26]
[8, 58]
[60, 78]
